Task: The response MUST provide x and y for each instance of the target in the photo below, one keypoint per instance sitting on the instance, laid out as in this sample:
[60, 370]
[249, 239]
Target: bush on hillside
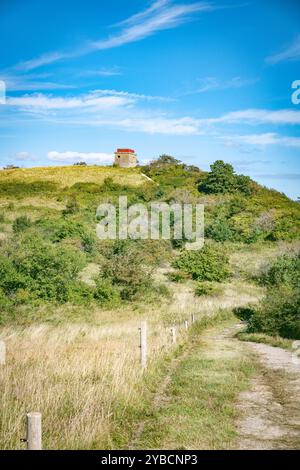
[59, 229]
[125, 267]
[279, 313]
[285, 270]
[106, 294]
[220, 230]
[44, 270]
[222, 179]
[209, 264]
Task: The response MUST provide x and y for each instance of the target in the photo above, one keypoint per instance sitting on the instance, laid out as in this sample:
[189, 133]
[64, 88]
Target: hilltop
[66, 176]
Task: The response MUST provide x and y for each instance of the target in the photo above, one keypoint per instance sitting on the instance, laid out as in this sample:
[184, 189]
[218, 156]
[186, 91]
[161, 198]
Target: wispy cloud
[278, 176]
[72, 157]
[291, 52]
[95, 101]
[132, 112]
[107, 72]
[29, 82]
[259, 116]
[161, 15]
[213, 83]
[264, 139]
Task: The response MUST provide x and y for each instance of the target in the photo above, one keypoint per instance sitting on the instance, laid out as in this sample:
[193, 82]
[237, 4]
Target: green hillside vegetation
[47, 231]
[71, 305]
[279, 312]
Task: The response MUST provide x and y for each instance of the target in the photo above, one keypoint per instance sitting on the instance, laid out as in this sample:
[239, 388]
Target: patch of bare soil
[270, 409]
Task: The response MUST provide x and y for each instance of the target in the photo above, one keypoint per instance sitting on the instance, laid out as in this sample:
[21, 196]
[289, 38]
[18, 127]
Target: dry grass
[68, 175]
[252, 259]
[85, 378]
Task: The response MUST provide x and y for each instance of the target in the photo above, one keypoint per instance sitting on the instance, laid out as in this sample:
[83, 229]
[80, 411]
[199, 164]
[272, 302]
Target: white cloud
[157, 5]
[135, 96]
[162, 125]
[94, 100]
[259, 116]
[291, 52]
[73, 157]
[268, 138]
[164, 18]
[23, 156]
[44, 59]
[159, 16]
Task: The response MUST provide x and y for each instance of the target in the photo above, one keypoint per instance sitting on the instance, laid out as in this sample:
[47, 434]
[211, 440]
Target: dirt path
[270, 409]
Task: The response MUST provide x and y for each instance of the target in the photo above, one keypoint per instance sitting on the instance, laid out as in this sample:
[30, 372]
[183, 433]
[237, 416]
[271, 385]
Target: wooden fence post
[34, 431]
[173, 333]
[193, 318]
[2, 353]
[186, 324]
[143, 344]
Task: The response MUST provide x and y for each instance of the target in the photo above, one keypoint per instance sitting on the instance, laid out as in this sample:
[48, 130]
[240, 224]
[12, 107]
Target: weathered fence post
[173, 333]
[193, 317]
[143, 344]
[34, 431]
[2, 353]
[186, 324]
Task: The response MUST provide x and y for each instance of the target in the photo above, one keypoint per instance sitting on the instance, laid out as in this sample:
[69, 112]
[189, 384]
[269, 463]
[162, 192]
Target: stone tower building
[125, 158]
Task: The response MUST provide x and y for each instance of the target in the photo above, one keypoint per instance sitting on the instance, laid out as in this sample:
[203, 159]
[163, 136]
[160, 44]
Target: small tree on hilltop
[166, 160]
[223, 179]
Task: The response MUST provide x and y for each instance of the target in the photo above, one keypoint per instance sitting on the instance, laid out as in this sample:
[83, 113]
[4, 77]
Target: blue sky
[198, 80]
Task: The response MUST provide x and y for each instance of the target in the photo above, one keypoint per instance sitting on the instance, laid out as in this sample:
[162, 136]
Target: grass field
[85, 377]
[68, 175]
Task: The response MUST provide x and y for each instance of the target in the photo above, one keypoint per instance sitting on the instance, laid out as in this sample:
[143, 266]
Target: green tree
[222, 179]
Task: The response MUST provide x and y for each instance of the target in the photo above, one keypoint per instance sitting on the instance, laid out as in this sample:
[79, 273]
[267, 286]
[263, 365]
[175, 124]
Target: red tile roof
[125, 151]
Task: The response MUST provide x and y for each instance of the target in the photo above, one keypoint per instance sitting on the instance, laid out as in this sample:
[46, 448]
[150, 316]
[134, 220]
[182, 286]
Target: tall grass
[85, 378]
[69, 175]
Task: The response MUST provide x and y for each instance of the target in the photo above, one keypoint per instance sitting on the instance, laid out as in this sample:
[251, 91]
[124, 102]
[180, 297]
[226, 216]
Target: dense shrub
[220, 230]
[59, 229]
[285, 270]
[244, 313]
[105, 293]
[44, 270]
[279, 313]
[10, 279]
[125, 268]
[209, 264]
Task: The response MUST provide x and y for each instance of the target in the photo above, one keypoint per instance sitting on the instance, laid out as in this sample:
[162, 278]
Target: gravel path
[270, 409]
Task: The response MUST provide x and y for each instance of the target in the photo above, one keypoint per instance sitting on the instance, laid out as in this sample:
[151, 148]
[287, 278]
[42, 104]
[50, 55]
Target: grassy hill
[66, 176]
[71, 304]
